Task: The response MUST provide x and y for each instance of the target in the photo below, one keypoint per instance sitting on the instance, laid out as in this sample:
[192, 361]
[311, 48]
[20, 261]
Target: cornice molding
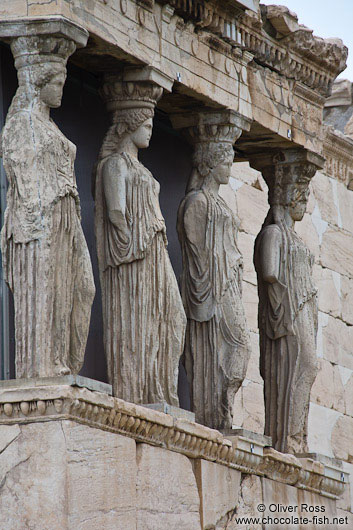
[298, 54]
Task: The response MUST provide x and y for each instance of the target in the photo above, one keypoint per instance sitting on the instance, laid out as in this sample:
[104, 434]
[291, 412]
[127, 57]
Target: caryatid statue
[217, 345]
[143, 316]
[45, 256]
[288, 310]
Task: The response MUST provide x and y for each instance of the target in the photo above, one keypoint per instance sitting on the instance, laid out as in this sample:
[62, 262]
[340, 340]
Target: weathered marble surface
[72, 458]
[63, 475]
[101, 478]
[341, 94]
[69, 380]
[274, 494]
[217, 345]
[288, 310]
[250, 496]
[167, 494]
[243, 451]
[209, 52]
[45, 256]
[66, 475]
[219, 489]
[281, 495]
[143, 317]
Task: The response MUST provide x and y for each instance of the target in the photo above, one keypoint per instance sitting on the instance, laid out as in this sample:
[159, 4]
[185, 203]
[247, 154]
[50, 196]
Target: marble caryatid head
[289, 185]
[208, 157]
[41, 65]
[213, 154]
[131, 106]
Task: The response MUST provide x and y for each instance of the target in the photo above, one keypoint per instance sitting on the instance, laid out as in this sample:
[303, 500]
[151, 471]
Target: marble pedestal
[74, 458]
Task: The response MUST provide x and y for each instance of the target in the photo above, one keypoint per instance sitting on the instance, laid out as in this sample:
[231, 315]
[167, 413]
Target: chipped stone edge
[101, 411]
[304, 473]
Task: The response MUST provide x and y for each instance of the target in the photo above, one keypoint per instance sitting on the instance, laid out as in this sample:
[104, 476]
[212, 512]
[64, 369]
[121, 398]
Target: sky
[328, 18]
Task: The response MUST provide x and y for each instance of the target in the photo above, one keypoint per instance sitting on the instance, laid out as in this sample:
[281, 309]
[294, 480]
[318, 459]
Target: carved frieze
[298, 56]
[293, 51]
[217, 17]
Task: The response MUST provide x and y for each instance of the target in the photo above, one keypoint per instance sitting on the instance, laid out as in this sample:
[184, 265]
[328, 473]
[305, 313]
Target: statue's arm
[22, 165]
[115, 173]
[271, 254]
[195, 221]
[279, 317]
[201, 303]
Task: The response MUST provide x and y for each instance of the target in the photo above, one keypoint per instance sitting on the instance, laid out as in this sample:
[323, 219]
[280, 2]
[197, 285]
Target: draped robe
[144, 320]
[45, 255]
[288, 325]
[217, 346]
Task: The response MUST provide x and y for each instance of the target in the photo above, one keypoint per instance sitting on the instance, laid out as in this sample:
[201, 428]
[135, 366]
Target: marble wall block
[63, 475]
[167, 494]
[219, 489]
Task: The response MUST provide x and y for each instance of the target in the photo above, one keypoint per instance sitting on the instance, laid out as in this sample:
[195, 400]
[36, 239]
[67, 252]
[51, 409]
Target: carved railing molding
[305, 473]
[218, 17]
[246, 453]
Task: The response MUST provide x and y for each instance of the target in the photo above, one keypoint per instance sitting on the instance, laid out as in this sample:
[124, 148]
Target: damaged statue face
[52, 92]
[299, 201]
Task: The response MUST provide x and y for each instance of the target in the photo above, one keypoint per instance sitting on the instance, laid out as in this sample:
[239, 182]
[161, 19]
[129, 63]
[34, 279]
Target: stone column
[288, 309]
[143, 316]
[45, 256]
[217, 346]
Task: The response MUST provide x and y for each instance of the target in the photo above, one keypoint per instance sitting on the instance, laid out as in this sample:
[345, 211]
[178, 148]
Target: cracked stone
[167, 494]
[8, 433]
[103, 465]
[213, 478]
[33, 473]
[250, 495]
[67, 476]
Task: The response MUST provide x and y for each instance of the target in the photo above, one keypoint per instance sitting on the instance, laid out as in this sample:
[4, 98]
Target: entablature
[275, 38]
[227, 54]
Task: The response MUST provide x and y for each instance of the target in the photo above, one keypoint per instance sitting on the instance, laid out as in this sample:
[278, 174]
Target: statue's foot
[63, 370]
